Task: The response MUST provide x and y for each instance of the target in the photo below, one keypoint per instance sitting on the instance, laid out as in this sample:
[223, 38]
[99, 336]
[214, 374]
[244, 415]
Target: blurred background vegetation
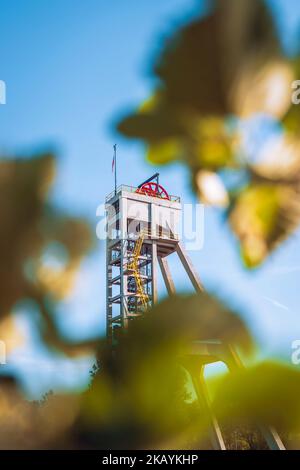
[211, 75]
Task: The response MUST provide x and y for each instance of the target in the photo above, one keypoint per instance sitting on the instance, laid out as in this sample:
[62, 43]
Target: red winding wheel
[154, 190]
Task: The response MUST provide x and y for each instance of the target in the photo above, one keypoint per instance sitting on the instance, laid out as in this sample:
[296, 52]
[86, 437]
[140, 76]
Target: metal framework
[142, 230]
[133, 266]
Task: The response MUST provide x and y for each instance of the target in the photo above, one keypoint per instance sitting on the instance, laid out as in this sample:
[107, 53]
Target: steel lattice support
[142, 226]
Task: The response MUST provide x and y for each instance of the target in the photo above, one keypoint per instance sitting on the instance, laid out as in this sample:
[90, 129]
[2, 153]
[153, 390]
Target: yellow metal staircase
[134, 266]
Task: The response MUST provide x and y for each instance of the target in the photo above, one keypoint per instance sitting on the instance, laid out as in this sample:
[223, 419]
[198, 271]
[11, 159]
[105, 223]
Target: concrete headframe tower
[143, 229]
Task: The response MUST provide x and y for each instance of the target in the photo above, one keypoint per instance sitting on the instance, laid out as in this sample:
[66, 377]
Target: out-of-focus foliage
[243, 437]
[33, 425]
[146, 400]
[142, 393]
[213, 73]
[40, 247]
[260, 215]
[266, 393]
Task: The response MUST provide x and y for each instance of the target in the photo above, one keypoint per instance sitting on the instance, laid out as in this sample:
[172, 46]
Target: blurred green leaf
[212, 147]
[267, 393]
[164, 152]
[200, 64]
[262, 215]
[30, 224]
[227, 63]
[152, 126]
[141, 395]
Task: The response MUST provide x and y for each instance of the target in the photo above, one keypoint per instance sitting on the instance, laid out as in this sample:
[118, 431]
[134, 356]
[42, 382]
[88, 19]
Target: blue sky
[70, 67]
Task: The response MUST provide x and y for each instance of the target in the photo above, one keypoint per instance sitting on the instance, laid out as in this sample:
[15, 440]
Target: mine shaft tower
[142, 231]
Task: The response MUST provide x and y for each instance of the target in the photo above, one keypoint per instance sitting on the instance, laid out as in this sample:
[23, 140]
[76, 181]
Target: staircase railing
[133, 265]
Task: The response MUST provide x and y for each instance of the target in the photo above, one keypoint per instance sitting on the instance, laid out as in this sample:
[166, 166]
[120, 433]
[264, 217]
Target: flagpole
[115, 158]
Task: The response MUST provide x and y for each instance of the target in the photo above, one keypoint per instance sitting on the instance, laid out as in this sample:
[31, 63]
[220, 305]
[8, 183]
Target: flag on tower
[114, 166]
[113, 160]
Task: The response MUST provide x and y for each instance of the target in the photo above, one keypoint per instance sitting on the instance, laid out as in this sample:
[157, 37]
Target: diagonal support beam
[166, 274]
[196, 374]
[154, 273]
[188, 266]
[272, 437]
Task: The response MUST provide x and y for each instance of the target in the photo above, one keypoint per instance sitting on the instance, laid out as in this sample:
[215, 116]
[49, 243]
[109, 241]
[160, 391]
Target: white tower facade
[143, 226]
